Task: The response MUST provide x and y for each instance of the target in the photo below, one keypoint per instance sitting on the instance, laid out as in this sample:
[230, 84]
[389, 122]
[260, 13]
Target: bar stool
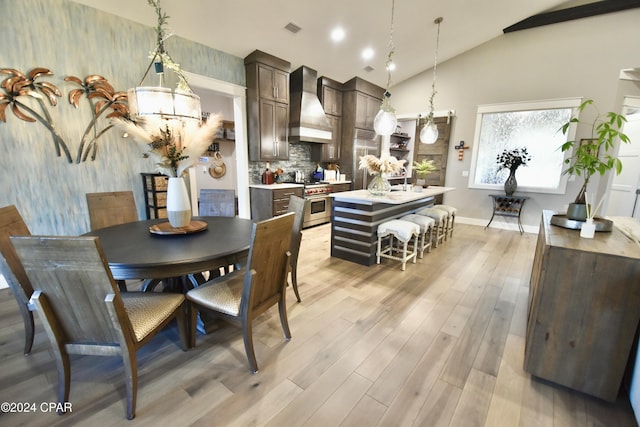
[426, 228]
[440, 218]
[451, 218]
[402, 231]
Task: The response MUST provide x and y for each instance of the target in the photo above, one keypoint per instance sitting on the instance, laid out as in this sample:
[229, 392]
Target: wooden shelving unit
[155, 194]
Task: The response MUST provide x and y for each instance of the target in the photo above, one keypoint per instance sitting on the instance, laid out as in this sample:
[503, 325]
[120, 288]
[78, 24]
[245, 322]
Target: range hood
[307, 121]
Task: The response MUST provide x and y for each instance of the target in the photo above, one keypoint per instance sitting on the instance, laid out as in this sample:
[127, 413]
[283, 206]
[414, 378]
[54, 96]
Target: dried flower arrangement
[172, 144]
[382, 165]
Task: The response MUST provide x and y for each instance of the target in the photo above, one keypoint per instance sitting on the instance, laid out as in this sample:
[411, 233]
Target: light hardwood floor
[440, 344]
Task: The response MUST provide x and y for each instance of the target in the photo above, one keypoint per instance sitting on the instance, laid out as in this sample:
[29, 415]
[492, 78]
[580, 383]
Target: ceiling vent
[369, 68]
[293, 28]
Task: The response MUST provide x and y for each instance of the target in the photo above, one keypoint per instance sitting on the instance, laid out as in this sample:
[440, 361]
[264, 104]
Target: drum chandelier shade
[180, 104]
[429, 132]
[386, 121]
[164, 102]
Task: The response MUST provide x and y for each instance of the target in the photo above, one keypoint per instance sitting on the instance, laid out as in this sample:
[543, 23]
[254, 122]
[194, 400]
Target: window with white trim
[534, 125]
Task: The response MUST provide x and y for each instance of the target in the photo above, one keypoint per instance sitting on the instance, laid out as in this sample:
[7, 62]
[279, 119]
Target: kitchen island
[355, 216]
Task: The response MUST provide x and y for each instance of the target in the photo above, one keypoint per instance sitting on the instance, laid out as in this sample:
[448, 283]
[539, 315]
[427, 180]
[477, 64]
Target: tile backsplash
[300, 158]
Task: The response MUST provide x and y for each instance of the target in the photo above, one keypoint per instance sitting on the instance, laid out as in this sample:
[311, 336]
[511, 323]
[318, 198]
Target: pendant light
[180, 104]
[429, 132]
[386, 121]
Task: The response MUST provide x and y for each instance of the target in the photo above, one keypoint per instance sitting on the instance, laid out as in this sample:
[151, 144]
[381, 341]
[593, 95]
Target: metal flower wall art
[27, 96]
[18, 87]
[102, 99]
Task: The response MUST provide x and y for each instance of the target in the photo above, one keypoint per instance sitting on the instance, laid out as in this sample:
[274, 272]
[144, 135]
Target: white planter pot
[178, 204]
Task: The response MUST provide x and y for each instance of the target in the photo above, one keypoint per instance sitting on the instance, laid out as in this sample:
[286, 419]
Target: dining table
[177, 260]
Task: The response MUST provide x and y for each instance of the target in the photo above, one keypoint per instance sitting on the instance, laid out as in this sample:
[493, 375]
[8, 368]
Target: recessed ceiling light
[392, 66]
[337, 34]
[367, 53]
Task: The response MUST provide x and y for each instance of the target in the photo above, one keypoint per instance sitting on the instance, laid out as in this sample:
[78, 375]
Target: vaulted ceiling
[240, 26]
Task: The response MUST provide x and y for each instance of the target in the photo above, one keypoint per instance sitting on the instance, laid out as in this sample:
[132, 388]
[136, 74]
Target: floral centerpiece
[512, 159]
[382, 165]
[379, 167]
[174, 146]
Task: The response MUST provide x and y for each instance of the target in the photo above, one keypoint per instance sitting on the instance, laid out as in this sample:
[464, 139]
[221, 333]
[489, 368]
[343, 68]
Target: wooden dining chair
[111, 208]
[297, 206]
[217, 202]
[12, 224]
[243, 295]
[83, 312]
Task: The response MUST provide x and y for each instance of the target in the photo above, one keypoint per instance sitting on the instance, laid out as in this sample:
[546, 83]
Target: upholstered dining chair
[83, 312]
[111, 208]
[217, 202]
[12, 224]
[297, 206]
[243, 295]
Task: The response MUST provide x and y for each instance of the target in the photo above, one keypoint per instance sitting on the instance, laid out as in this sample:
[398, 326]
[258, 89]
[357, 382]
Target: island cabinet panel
[355, 219]
[584, 308]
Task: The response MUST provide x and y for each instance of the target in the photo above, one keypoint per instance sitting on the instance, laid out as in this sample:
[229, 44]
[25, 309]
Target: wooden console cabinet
[584, 307]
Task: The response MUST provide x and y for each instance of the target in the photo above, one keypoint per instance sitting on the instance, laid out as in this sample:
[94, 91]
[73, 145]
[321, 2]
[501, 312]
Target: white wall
[579, 58]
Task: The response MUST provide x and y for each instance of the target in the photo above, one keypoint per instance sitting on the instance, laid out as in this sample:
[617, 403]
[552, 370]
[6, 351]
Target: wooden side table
[509, 206]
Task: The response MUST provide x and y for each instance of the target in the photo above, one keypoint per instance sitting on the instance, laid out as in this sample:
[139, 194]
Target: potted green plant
[422, 169]
[592, 155]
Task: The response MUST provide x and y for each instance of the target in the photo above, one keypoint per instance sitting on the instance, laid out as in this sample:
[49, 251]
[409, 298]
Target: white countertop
[277, 186]
[392, 198]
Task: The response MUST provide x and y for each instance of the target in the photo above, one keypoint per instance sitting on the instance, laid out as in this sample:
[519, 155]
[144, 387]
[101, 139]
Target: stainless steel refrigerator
[365, 142]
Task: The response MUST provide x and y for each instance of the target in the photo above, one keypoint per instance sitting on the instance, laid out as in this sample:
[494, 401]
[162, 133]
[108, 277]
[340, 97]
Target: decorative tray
[562, 221]
[167, 228]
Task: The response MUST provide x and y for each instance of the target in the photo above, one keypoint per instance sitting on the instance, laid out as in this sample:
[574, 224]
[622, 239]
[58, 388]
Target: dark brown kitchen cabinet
[274, 120]
[331, 100]
[360, 104]
[268, 201]
[367, 107]
[330, 95]
[273, 83]
[267, 106]
[331, 151]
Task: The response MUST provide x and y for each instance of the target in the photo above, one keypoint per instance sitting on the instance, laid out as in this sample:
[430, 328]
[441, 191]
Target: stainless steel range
[318, 209]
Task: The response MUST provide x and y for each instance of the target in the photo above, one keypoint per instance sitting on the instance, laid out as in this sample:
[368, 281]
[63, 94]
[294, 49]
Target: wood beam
[571, 13]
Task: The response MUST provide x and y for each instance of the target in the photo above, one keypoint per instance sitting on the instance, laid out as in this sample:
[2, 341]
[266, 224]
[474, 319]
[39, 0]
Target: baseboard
[509, 224]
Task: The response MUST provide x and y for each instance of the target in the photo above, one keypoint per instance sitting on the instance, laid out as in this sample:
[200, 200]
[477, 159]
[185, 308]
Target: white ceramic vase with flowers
[174, 146]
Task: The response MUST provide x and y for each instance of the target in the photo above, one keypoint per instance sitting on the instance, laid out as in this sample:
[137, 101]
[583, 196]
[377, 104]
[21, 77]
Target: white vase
[178, 204]
[588, 229]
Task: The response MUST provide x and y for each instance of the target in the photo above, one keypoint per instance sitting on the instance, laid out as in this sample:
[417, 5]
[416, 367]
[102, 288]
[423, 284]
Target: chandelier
[386, 121]
[181, 103]
[429, 132]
